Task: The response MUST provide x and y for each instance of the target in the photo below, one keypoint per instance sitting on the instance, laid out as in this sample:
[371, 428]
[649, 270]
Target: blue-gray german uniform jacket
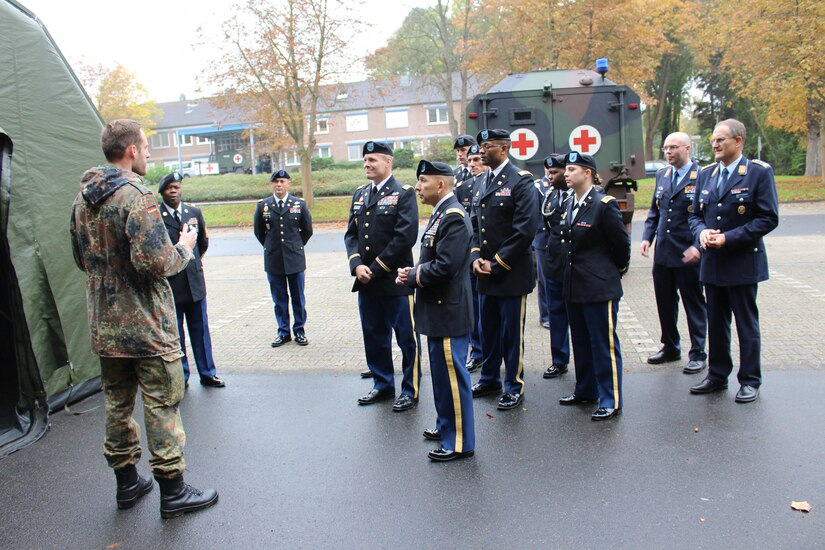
[745, 210]
[380, 235]
[556, 258]
[189, 285]
[667, 220]
[598, 249]
[283, 234]
[443, 295]
[504, 219]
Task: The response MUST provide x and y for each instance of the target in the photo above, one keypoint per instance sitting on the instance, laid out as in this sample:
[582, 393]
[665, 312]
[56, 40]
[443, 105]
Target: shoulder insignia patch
[761, 163]
[525, 173]
[607, 198]
[708, 166]
[459, 211]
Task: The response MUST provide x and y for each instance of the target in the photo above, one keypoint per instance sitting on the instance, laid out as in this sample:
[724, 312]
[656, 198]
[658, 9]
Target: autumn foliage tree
[117, 94]
[279, 54]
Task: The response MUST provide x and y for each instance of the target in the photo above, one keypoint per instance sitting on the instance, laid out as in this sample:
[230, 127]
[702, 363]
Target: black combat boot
[178, 498]
[130, 486]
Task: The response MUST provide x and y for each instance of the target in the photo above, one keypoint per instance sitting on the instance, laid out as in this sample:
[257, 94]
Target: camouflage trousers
[161, 384]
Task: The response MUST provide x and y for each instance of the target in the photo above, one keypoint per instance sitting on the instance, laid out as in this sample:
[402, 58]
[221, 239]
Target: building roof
[196, 112]
[390, 92]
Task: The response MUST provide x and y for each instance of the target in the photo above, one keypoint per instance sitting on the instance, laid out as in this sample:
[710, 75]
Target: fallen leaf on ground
[115, 545]
[490, 416]
[802, 506]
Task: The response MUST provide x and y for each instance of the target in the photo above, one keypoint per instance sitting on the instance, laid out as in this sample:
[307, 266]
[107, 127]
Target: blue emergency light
[602, 66]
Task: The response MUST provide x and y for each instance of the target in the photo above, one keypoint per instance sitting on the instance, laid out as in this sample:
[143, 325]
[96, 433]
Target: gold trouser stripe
[382, 264]
[416, 366]
[356, 255]
[613, 364]
[475, 249]
[520, 372]
[459, 427]
[501, 262]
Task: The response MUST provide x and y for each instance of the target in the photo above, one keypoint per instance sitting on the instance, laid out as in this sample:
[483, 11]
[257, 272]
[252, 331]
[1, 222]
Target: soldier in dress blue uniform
[461, 146]
[381, 231]
[443, 309]
[464, 192]
[505, 215]
[598, 253]
[543, 186]
[283, 226]
[555, 260]
[676, 261]
[734, 207]
[189, 286]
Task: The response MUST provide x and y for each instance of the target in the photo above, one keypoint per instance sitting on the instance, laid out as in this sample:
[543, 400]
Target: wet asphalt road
[298, 464]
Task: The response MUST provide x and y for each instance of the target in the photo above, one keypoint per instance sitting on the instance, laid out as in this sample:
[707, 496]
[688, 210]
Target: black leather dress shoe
[509, 401]
[554, 371]
[366, 374]
[603, 413]
[281, 340]
[746, 394]
[374, 396]
[432, 434]
[694, 367]
[664, 356]
[574, 399]
[443, 455]
[480, 389]
[545, 324]
[473, 364]
[404, 403]
[301, 338]
[212, 382]
[709, 386]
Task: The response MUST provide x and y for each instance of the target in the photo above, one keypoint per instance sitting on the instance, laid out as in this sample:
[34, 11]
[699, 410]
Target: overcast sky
[154, 38]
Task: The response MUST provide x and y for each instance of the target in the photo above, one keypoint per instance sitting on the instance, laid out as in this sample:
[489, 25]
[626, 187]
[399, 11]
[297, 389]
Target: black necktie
[373, 191]
[280, 204]
[675, 181]
[177, 217]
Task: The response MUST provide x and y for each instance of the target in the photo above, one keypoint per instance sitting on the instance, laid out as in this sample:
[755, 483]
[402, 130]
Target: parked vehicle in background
[653, 166]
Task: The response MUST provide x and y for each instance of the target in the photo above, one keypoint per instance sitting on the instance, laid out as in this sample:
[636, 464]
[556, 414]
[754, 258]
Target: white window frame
[393, 118]
[358, 150]
[199, 140]
[323, 147]
[354, 121]
[184, 137]
[157, 138]
[291, 158]
[437, 109]
[322, 125]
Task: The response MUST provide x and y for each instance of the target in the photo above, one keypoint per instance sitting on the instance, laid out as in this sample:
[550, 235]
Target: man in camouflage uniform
[119, 240]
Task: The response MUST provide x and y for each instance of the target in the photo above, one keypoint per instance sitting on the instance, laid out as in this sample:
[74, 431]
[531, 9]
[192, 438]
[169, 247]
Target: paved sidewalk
[792, 310]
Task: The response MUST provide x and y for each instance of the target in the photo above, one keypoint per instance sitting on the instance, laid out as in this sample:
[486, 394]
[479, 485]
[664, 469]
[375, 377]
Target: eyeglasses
[487, 146]
[720, 141]
[667, 148]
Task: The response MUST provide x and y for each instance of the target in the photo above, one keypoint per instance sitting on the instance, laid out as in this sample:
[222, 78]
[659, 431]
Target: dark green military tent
[49, 134]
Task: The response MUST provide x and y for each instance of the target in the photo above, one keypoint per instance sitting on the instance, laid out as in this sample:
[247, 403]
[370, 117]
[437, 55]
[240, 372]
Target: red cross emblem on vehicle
[524, 143]
[585, 139]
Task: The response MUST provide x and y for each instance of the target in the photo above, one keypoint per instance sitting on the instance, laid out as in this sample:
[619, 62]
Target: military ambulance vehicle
[568, 110]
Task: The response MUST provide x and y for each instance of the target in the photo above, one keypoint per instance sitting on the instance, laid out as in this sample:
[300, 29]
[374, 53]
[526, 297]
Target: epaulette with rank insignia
[525, 173]
[761, 163]
[457, 185]
[708, 166]
[607, 198]
[365, 185]
[261, 200]
[406, 187]
[459, 211]
[662, 168]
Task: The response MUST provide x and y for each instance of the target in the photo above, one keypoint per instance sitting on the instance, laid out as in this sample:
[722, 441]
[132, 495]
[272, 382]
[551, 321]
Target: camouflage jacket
[119, 240]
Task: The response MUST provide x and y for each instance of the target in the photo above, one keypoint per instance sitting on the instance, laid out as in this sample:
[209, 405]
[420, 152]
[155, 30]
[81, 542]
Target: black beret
[493, 135]
[167, 179]
[554, 161]
[427, 168]
[280, 174]
[376, 147]
[464, 141]
[474, 150]
[580, 159]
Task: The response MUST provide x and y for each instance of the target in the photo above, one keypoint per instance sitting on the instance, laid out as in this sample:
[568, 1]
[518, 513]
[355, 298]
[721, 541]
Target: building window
[291, 158]
[323, 151]
[321, 125]
[354, 151]
[396, 118]
[185, 140]
[437, 115]
[412, 144]
[202, 140]
[159, 140]
[230, 143]
[357, 122]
